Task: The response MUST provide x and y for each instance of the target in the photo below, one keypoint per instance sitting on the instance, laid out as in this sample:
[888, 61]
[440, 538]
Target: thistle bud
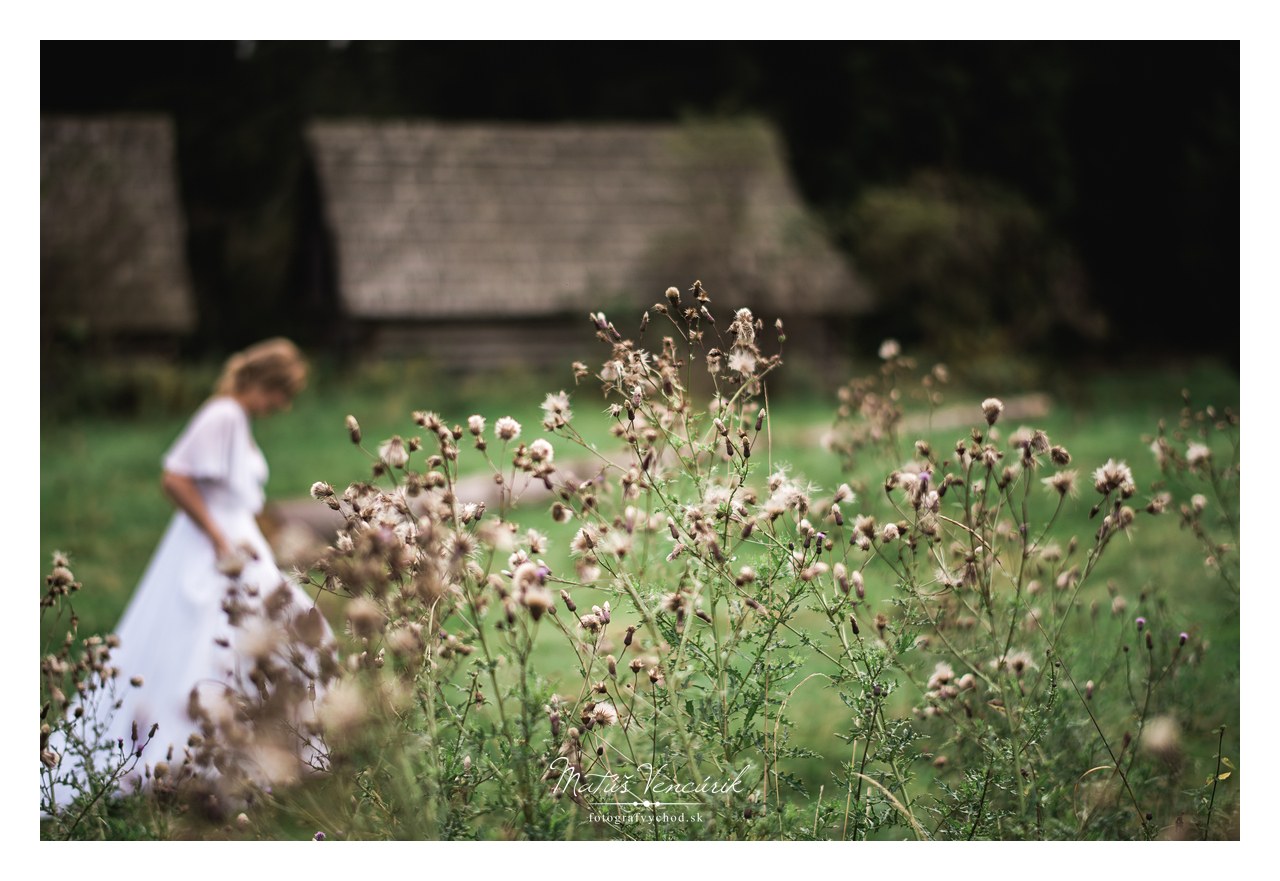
[991, 410]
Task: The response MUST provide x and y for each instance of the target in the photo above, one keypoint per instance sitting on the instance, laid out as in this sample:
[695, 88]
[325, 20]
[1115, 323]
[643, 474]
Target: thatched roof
[435, 220]
[112, 256]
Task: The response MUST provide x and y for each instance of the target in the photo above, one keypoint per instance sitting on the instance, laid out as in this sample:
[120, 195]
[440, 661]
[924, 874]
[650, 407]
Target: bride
[193, 674]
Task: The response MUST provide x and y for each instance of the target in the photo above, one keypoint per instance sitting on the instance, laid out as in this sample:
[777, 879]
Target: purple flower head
[319, 836]
[1182, 638]
[1141, 622]
[543, 572]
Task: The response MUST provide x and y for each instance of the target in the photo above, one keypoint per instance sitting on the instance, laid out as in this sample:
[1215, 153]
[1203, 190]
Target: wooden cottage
[112, 254]
[488, 244]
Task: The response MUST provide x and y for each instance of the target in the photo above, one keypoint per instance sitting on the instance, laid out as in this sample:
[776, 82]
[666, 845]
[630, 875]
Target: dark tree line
[1129, 153]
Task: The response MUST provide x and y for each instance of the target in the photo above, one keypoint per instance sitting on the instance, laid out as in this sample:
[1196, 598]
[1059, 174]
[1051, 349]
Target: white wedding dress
[174, 634]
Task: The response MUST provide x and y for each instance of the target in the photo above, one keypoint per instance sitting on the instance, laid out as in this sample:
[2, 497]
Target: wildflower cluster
[989, 673]
[255, 732]
[79, 686]
[1200, 457]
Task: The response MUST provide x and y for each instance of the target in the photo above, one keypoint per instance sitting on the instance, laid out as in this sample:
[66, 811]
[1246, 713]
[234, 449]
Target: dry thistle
[393, 452]
[506, 429]
[1063, 483]
[991, 410]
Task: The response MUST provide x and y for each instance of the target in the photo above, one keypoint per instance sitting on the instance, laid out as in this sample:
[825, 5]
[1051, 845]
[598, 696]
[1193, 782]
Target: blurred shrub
[971, 267]
[79, 384]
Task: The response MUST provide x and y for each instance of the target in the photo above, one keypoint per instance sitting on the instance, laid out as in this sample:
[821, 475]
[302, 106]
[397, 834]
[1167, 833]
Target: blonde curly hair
[274, 364]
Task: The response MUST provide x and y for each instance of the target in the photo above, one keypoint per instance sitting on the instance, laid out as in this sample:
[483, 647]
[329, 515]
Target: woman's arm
[186, 495]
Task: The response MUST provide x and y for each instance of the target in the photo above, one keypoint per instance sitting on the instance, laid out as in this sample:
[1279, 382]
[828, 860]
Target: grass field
[101, 501]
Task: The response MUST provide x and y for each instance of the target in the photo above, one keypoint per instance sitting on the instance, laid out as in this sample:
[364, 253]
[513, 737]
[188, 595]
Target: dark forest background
[1108, 174]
